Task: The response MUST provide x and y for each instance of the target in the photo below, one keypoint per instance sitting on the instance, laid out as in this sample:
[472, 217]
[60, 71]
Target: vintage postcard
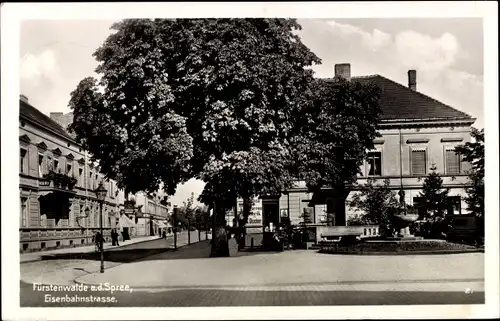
[269, 160]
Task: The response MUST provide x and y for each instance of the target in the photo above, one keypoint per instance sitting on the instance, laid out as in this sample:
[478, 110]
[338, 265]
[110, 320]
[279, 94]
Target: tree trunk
[219, 242]
[336, 207]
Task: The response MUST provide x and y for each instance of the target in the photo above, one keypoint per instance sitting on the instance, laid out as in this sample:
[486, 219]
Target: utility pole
[189, 230]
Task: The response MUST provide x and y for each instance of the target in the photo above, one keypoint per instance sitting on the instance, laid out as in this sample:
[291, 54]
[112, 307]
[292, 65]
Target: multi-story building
[57, 181]
[417, 132]
[149, 215]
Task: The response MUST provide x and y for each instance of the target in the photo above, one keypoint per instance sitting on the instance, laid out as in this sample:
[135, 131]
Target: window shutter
[418, 162]
[452, 162]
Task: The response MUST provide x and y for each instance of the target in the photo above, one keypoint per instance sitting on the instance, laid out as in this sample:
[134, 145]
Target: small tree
[377, 204]
[473, 152]
[434, 196]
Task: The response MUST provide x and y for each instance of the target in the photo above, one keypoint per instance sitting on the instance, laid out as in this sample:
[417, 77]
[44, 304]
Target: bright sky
[447, 54]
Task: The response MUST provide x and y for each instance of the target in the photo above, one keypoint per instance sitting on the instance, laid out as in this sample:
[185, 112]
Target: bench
[344, 238]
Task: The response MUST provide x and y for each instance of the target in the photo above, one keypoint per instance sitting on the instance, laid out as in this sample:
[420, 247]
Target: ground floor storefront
[56, 218]
[324, 212]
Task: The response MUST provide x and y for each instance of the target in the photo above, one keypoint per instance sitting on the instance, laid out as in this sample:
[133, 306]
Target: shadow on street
[147, 252]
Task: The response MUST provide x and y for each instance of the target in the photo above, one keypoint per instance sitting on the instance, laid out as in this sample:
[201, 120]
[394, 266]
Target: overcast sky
[447, 54]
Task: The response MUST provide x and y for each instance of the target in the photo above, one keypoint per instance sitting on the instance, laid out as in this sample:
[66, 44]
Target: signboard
[255, 217]
[129, 211]
[44, 182]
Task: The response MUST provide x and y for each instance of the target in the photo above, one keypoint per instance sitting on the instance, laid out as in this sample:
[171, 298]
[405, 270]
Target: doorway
[270, 209]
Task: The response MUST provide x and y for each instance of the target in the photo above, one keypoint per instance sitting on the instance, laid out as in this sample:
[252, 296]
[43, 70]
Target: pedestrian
[114, 237]
[117, 236]
[164, 234]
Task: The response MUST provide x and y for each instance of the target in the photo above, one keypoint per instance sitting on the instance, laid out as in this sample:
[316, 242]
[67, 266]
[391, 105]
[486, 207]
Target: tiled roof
[400, 102]
[32, 114]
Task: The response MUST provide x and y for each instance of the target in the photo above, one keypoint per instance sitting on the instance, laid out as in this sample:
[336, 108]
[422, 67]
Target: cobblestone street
[188, 277]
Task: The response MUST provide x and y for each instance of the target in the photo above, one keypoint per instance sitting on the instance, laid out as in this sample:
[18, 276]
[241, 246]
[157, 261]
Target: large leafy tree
[334, 132]
[473, 152]
[434, 195]
[213, 99]
[375, 204]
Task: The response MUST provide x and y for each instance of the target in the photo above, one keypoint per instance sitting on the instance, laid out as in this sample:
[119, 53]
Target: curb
[41, 252]
[299, 286]
[405, 252]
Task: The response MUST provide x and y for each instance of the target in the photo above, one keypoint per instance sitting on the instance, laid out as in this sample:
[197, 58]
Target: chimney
[412, 79]
[56, 116]
[343, 71]
[23, 98]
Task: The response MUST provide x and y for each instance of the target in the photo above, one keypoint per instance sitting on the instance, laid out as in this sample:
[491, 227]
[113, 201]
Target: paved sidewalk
[64, 268]
[190, 268]
[37, 256]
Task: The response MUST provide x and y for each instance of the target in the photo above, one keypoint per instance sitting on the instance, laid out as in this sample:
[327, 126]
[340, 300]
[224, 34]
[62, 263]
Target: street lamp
[101, 193]
[174, 225]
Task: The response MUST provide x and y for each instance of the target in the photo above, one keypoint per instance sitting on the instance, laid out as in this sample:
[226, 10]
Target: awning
[160, 224]
[125, 222]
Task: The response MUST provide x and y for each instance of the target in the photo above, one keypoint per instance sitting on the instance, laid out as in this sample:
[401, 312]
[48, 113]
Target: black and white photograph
[318, 160]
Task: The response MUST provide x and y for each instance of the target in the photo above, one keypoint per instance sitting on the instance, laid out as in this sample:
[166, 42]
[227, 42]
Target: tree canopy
[207, 98]
[229, 101]
[335, 131]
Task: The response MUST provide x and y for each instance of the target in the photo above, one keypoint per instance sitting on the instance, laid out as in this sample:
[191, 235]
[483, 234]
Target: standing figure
[114, 238]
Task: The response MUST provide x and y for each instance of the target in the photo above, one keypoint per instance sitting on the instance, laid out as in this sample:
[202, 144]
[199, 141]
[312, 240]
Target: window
[68, 169]
[454, 205]
[418, 163]
[50, 165]
[419, 204]
[374, 160]
[91, 184]
[80, 176]
[24, 211]
[56, 165]
[22, 161]
[452, 162]
[40, 162]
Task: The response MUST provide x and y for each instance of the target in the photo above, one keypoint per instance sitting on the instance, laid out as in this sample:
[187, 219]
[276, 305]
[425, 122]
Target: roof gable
[32, 114]
[399, 102]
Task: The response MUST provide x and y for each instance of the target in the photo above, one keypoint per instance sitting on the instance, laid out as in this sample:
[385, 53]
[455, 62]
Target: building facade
[149, 215]
[417, 132]
[57, 181]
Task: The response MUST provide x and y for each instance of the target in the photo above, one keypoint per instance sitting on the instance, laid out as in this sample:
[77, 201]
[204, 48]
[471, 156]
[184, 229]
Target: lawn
[423, 247]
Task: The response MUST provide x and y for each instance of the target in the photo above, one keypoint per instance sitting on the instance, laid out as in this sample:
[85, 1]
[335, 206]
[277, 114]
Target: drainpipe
[401, 191]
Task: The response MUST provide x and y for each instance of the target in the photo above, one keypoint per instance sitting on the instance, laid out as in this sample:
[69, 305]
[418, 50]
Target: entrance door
[271, 213]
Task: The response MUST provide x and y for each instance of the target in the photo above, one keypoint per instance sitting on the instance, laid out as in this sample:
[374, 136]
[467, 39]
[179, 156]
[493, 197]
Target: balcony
[57, 182]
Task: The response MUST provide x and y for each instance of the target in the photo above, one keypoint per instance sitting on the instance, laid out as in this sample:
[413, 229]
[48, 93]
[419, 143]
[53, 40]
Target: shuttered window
[418, 159]
[452, 162]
